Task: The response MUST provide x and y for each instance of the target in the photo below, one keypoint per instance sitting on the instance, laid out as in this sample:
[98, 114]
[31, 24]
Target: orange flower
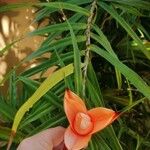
[83, 122]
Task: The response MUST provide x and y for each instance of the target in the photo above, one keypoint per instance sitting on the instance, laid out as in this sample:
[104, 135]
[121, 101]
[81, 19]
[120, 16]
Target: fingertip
[59, 128]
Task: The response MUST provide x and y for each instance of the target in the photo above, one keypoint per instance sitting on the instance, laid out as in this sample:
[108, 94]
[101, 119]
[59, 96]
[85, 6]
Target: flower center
[83, 124]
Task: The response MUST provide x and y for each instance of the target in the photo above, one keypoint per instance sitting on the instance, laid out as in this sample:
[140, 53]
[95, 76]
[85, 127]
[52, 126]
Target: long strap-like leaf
[50, 82]
[133, 77]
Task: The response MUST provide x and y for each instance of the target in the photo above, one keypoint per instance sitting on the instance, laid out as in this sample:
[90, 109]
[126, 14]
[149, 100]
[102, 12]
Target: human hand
[50, 139]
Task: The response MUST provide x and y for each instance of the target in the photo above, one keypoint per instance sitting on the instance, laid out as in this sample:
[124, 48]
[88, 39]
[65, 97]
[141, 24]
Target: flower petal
[72, 105]
[102, 117]
[74, 141]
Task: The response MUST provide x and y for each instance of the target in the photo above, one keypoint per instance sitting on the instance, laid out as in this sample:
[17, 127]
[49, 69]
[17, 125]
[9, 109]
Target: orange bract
[83, 122]
[102, 117]
[74, 141]
[72, 105]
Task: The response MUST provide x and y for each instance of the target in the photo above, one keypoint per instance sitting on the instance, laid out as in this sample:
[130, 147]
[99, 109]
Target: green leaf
[51, 81]
[93, 79]
[133, 77]
[128, 9]
[6, 110]
[67, 6]
[39, 113]
[94, 96]
[101, 142]
[47, 64]
[77, 61]
[9, 7]
[134, 3]
[78, 2]
[53, 122]
[8, 46]
[108, 134]
[126, 26]
[4, 134]
[58, 27]
[33, 85]
[62, 43]
[13, 90]
[102, 39]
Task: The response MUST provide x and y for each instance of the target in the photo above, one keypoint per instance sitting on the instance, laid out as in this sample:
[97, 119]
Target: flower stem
[88, 42]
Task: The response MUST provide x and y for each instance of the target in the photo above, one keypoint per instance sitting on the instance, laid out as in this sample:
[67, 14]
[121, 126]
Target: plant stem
[88, 42]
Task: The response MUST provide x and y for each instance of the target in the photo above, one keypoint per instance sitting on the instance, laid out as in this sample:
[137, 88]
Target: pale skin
[50, 139]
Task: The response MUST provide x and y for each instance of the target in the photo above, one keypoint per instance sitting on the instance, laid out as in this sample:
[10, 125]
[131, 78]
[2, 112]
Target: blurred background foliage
[111, 57]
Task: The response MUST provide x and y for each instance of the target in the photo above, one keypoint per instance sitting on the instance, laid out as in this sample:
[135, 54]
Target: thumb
[44, 140]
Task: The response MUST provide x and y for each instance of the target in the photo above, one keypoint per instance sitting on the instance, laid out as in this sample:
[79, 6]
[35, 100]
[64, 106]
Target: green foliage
[114, 75]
